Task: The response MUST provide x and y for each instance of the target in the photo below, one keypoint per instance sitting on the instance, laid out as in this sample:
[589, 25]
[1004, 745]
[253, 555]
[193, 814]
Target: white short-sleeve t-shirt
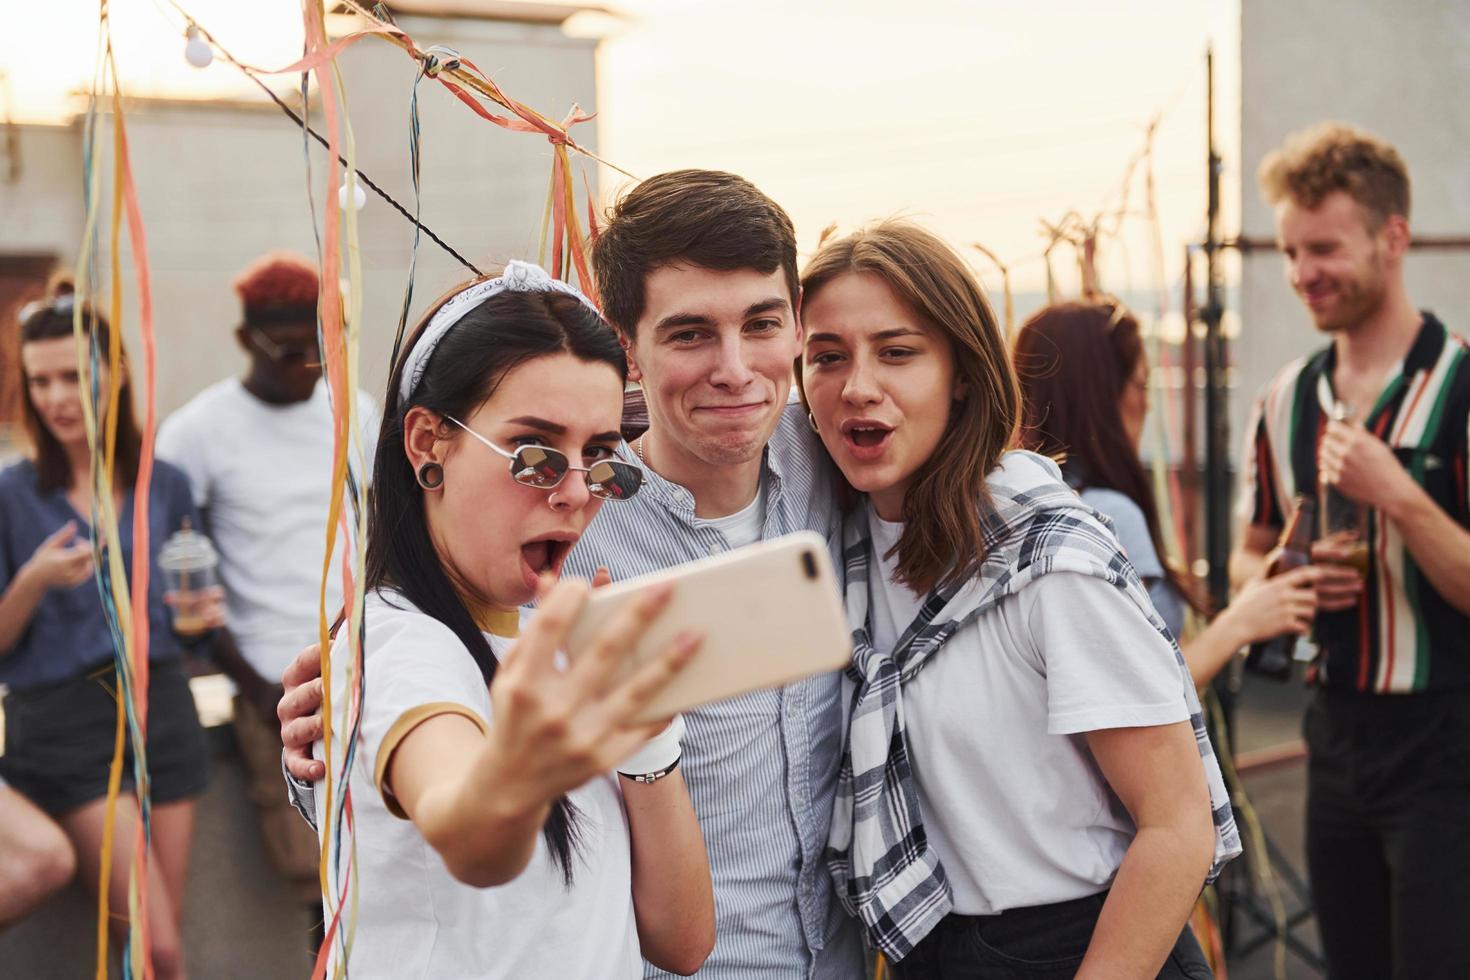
[263, 474]
[414, 919]
[1015, 807]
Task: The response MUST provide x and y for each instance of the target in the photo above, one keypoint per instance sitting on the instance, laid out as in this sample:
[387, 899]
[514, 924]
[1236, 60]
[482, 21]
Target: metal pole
[1235, 886]
[1190, 468]
[1217, 422]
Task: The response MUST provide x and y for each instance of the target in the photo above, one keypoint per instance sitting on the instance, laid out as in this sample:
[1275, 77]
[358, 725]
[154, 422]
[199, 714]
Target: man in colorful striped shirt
[1380, 418]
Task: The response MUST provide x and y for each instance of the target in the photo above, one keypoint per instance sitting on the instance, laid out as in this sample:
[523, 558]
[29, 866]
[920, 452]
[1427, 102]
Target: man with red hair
[258, 452]
[1376, 423]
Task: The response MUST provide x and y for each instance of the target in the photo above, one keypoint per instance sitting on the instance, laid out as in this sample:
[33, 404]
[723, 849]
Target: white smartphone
[770, 614]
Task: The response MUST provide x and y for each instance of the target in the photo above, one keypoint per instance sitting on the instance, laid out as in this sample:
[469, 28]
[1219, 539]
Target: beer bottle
[1273, 657]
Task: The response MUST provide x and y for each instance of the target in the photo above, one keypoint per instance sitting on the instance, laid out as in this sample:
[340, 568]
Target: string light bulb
[197, 51]
[359, 196]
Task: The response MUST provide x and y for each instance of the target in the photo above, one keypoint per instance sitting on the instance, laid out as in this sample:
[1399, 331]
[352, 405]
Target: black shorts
[59, 740]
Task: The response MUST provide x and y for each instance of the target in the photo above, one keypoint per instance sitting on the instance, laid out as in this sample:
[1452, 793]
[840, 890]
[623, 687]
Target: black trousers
[1043, 942]
[1388, 833]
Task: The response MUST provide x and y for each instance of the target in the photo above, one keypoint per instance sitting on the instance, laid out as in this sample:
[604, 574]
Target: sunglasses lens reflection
[536, 466]
[614, 480]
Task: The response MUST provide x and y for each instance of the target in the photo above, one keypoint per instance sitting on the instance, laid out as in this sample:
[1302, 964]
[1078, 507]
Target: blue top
[1132, 531]
[68, 634]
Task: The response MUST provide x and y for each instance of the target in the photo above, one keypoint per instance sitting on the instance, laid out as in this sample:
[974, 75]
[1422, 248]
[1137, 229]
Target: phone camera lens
[809, 563]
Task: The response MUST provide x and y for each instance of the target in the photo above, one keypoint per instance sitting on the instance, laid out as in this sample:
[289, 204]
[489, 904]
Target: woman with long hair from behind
[1084, 394]
[1026, 790]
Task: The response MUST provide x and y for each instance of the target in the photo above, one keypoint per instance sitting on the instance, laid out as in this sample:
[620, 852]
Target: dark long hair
[1074, 360]
[945, 508]
[53, 321]
[487, 343]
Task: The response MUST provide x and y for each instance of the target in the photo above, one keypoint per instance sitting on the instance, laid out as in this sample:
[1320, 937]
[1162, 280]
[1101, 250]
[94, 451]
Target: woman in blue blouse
[1084, 390]
[56, 651]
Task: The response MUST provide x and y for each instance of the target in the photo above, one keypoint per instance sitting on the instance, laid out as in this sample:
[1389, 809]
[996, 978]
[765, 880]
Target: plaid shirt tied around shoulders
[886, 874]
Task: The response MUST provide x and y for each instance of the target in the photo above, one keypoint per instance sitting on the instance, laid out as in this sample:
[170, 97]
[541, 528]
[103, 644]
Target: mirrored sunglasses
[544, 468]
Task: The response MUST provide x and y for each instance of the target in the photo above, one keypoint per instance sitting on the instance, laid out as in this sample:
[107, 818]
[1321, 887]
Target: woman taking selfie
[1084, 396]
[1026, 790]
[511, 818]
[56, 648]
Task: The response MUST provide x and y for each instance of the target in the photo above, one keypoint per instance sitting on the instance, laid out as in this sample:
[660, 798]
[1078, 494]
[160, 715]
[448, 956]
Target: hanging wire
[308, 131]
[431, 61]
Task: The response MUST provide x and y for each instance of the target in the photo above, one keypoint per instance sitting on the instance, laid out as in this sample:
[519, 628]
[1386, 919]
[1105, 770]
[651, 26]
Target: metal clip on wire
[439, 57]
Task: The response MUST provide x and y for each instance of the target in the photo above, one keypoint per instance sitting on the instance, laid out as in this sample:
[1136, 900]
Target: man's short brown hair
[1314, 163]
[700, 217]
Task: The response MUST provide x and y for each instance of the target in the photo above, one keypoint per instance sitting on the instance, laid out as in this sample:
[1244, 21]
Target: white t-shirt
[414, 919]
[745, 525]
[1014, 804]
[264, 473]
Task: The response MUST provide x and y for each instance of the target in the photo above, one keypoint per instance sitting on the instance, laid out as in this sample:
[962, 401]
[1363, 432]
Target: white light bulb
[197, 51]
[359, 197]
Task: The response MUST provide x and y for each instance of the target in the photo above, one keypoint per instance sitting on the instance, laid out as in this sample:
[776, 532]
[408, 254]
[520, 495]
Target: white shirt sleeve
[417, 669]
[1106, 666]
[177, 444]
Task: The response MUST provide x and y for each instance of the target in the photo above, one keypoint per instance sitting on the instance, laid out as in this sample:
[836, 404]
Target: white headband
[518, 277]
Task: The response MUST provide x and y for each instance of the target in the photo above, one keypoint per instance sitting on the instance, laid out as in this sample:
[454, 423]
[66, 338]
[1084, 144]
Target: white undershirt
[892, 609]
[745, 525]
[1014, 805]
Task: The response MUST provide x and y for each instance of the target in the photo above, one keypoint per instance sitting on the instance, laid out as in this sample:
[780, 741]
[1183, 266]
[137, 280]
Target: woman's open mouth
[866, 439]
[545, 554]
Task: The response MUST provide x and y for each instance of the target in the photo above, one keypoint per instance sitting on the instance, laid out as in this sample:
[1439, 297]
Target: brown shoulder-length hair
[1074, 360]
[947, 503]
[52, 321]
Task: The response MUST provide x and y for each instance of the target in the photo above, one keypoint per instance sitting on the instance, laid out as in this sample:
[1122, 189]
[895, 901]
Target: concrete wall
[42, 210]
[1395, 69]
[220, 184]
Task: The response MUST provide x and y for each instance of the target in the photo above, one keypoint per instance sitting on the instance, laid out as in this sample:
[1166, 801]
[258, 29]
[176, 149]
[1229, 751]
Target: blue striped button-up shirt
[761, 767]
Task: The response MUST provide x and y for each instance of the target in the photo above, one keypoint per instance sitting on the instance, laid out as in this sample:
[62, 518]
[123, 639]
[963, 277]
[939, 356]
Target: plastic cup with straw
[188, 560]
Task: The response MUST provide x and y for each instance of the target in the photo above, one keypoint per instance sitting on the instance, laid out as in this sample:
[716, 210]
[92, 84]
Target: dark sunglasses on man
[296, 350]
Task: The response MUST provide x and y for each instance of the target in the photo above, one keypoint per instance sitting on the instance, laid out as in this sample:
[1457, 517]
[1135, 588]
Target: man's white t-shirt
[414, 919]
[1014, 805]
[264, 474]
[743, 527]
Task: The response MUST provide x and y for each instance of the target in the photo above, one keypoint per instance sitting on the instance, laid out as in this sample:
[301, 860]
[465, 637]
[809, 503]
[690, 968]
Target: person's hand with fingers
[1268, 607]
[204, 609]
[300, 712]
[1360, 465]
[61, 561]
[1339, 586]
[554, 729]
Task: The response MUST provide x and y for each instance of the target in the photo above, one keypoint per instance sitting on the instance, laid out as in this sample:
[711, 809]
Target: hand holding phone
[770, 614]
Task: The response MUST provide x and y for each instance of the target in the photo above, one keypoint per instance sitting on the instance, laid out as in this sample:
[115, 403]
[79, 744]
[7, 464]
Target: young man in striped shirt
[1381, 417]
